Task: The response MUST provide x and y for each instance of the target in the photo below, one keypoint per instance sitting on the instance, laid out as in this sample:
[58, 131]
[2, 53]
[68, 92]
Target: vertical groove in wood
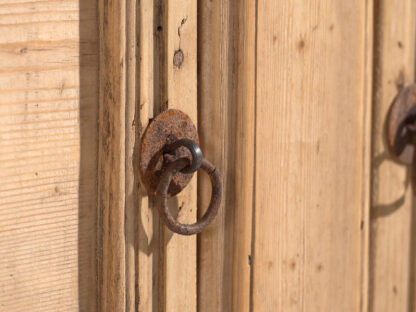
[132, 142]
[310, 175]
[147, 246]
[214, 289]
[160, 103]
[391, 245]
[366, 147]
[216, 112]
[111, 169]
[244, 154]
[226, 47]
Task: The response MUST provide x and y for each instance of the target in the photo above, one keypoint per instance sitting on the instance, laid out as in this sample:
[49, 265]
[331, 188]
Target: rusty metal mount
[163, 131]
[401, 125]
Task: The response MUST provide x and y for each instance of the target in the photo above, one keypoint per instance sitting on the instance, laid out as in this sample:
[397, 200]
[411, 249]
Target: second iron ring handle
[184, 165]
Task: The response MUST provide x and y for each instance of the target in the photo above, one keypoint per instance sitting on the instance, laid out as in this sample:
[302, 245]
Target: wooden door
[290, 99]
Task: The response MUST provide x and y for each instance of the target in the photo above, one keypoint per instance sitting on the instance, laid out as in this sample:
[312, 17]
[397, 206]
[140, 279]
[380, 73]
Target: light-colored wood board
[244, 154]
[112, 157]
[48, 109]
[147, 229]
[392, 246]
[181, 93]
[366, 172]
[226, 58]
[131, 156]
[216, 114]
[310, 161]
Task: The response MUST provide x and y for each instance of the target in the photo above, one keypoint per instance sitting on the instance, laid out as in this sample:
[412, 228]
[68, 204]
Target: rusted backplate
[164, 129]
[401, 125]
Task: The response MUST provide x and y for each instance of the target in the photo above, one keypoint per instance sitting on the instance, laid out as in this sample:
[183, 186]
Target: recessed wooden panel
[311, 161]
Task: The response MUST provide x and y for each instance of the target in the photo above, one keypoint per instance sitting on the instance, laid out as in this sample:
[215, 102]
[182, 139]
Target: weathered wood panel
[181, 93]
[392, 212]
[132, 127]
[112, 157]
[226, 59]
[216, 114]
[147, 226]
[165, 262]
[48, 122]
[311, 161]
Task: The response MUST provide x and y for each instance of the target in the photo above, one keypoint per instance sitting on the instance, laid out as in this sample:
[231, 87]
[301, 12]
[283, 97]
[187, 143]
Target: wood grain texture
[148, 226]
[311, 160]
[244, 155]
[366, 172]
[392, 216]
[226, 58]
[181, 93]
[132, 143]
[112, 156]
[216, 115]
[165, 262]
[48, 165]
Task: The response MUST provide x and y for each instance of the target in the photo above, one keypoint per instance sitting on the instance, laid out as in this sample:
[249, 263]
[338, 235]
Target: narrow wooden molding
[244, 153]
[226, 100]
[181, 93]
[147, 226]
[132, 133]
[112, 156]
[216, 115]
[366, 148]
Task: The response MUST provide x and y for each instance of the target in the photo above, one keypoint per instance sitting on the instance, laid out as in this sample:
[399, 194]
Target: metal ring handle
[162, 195]
[195, 150]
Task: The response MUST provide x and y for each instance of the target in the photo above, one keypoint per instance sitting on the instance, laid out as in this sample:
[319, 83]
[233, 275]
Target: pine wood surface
[290, 100]
[48, 162]
[311, 168]
[392, 254]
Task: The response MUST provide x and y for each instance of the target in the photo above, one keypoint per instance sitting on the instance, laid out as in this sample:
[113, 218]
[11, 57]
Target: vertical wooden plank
[367, 149]
[310, 161]
[244, 154]
[392, 248]
[181, 93]
[48, 163]
[166, 262]
[216, 113]
[226, 59]
[132, 142]
[147, 269]
[112, 153]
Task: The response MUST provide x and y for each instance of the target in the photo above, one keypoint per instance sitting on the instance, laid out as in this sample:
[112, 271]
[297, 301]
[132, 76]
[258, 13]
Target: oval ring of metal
[171, 223]
[163, 130]
[401, 114]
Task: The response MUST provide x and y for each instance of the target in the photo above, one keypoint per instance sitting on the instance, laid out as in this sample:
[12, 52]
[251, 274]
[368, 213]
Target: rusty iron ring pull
[401, 129]
[162, 195]
[169, 156]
